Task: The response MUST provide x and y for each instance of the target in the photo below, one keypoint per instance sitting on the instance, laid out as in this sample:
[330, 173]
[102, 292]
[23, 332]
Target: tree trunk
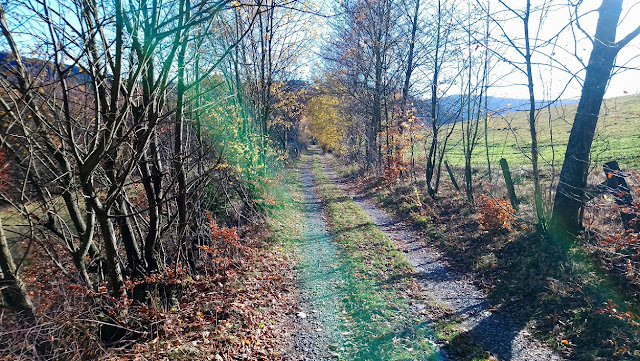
[410, 66]
[452, 176]
[15, 295]
[14, 291]
[116, 280]
[150, 252]
[178, 162]
[570, 191]
[537, 192]
[377, 108]
[486, 98]
[134, 256]
[431, 157]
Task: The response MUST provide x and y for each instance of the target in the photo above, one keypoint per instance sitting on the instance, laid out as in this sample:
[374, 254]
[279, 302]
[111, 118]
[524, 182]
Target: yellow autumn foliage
[326, 124]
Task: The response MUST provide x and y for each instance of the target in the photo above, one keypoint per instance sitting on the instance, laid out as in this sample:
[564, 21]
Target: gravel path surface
[317, 330]
[491, 331]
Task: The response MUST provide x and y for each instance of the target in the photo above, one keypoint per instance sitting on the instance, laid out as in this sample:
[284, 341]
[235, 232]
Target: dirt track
[317, 335]
[491, 331]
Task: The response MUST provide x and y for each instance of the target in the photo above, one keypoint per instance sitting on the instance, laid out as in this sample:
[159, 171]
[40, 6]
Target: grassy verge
[286, 218]
[383, 325]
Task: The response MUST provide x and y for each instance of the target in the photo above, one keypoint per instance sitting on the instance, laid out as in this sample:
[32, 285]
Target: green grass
[383, 327]
[617, 136]
[286, 218]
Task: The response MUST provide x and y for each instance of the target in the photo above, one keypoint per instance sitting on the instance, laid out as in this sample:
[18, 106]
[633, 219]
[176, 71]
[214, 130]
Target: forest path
[321, 275]
[491, 331]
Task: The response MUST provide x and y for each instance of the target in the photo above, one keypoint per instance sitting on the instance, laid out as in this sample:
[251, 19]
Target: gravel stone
[317, 323]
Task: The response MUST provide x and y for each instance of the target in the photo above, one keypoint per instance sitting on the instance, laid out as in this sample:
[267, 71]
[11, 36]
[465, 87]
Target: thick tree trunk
[110, 244]
[570, 191]
[134, 256]
[151, 239]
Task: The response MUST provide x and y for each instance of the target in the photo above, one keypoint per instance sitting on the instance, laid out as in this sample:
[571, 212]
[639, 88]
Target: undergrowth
[237, 307]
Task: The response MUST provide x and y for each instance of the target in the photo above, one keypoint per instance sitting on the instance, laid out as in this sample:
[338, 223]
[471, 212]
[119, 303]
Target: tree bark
[569, 196]
[537, 192]
[410, 66]
[377, 106]
[14, 291]
[431, 157]
[178, 165]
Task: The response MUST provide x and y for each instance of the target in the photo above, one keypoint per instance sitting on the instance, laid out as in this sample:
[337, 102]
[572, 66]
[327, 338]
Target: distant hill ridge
[35, 66]
[449, 106]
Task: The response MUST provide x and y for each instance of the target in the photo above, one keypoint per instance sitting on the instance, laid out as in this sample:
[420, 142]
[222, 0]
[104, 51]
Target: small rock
[302, 315]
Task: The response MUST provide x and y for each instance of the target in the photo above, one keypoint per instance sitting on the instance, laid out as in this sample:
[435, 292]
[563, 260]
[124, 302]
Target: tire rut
[317, 334]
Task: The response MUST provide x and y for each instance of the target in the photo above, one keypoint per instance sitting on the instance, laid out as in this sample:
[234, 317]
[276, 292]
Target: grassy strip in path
[297, 225]
[384, 327]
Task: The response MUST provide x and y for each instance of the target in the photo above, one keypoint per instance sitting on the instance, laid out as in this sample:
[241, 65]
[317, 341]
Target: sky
[549, 83]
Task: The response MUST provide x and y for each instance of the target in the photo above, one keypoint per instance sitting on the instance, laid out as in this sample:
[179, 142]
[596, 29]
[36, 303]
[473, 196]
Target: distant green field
[617, 136]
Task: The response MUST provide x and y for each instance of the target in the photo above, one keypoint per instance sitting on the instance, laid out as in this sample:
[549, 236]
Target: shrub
[495, 214]
[224, 248]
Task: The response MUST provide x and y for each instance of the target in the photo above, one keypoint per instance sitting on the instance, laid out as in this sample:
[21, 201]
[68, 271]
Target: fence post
[509, 182]
[452, 176]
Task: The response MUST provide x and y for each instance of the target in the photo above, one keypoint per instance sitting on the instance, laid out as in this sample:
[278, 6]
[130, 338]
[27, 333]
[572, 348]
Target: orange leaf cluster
[224, 248]
[495, 214]
[394, 163]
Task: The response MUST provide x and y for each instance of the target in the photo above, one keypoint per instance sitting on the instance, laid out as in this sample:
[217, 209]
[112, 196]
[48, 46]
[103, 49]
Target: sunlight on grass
[617, 136]
[385, 327]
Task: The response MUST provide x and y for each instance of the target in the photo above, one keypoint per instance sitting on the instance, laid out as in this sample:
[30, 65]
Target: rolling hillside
[617, 135]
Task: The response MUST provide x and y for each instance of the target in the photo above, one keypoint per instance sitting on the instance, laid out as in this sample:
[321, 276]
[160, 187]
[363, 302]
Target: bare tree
[472, 94]
[526, 46]
[443, 116]
[569, 196]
